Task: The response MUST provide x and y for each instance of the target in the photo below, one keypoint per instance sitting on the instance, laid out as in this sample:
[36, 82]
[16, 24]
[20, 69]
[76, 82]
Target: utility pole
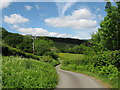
[33, 44]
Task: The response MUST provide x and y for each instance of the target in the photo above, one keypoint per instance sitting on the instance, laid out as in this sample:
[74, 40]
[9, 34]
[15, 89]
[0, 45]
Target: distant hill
[59, 42]
[67, 40]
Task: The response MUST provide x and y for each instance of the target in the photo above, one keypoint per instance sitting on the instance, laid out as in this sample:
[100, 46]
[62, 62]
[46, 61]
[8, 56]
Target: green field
[27, 73]
[69, 56]
[68, 59]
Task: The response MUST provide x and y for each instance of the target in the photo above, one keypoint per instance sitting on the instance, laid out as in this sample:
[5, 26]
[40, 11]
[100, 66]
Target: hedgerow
[10, 51]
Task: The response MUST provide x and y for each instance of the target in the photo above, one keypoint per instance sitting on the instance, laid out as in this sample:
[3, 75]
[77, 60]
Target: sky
[57, 19]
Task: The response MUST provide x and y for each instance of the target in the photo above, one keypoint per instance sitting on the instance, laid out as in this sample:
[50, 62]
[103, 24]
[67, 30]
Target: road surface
[68, 79]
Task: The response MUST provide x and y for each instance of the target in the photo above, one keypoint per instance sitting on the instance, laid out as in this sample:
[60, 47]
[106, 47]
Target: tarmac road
[68, 79]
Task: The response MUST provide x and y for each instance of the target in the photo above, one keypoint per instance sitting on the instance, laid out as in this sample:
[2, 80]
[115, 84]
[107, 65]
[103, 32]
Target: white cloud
[37, 7]
[85, 34]
[64, 6]
[43, 32]
[100, 17]
[40, 32]
[82, 14]
[15, 19]
[28, 7]
[5, 4]
[98, 9]
[15, 26]
[81, 35]
[80, 19]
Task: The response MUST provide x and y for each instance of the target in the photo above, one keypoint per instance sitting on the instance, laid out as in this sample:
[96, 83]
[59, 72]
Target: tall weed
[27, 73]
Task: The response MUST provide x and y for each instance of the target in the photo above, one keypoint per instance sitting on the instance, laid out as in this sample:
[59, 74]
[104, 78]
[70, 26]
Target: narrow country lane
[68, 79]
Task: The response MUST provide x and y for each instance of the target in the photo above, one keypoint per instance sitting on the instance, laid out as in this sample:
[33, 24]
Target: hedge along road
[68, 79]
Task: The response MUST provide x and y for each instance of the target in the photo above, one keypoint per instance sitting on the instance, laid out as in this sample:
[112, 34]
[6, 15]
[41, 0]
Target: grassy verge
[27, 73]
[77, 63]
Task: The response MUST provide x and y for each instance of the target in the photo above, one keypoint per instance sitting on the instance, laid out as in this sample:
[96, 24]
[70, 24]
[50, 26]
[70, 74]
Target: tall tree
[26, 44]
[109, 31]
[42, 46]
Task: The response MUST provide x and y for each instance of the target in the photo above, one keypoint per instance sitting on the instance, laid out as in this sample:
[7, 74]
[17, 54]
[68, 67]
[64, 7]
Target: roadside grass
[77, 63]
[27, 73]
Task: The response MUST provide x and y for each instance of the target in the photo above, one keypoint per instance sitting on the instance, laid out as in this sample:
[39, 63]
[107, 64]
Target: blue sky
[58, 19]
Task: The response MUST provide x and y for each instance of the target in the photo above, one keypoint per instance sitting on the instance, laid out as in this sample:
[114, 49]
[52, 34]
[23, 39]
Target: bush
[50, 60]
[27, 73]
[81, 49]
[42, 46]
[110, 71]
[52, 54]
[107, 58]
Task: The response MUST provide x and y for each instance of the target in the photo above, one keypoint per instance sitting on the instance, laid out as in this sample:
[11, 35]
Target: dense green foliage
[10, 38]
[61, 44]
[49, 59]
[27, 73]
[26, 44]
[42, 46]
[101, 55]
[104, 56]
[107, 37]
[0, 72]
[79, 49]
[103, 64]
[8, 51]
[18, 41]
[67, 40]
[52, 54]
[63, 47]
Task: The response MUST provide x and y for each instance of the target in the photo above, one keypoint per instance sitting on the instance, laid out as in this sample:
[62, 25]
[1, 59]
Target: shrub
[52, 54]
[107, 58]
[110, 71]
[27, 73]
[49, 59]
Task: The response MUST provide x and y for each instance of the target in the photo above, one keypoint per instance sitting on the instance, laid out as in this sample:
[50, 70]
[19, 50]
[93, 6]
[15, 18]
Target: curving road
[68, 79]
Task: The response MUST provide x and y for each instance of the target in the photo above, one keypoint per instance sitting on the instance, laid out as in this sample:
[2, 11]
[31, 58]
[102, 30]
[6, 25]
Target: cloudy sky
[58, 19]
